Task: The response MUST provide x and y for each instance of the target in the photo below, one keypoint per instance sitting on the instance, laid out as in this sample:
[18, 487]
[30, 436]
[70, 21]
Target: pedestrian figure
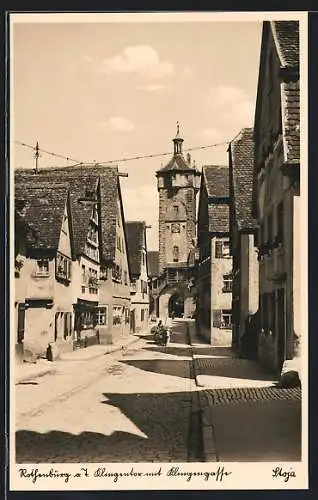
[168, 326]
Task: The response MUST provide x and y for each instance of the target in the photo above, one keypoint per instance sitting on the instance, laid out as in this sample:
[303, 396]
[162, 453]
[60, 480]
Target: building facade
[214, 282]
[137, 252]
[43, 288]
[244, 253]
[277, 195]
[97, 274]
[177, 186]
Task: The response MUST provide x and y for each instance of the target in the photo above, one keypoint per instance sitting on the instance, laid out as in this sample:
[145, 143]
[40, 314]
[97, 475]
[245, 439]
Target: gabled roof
[86, 181]
[153, 263]
[242, 158]
[286, 37]
[216, 179]
[177, 163]
[135, 240]
[44, 205]
[219, 217]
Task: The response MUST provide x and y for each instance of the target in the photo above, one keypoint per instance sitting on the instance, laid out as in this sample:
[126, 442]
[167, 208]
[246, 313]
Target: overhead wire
[120, 160]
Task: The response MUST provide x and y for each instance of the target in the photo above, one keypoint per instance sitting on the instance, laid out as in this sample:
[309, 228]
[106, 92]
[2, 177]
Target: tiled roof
[153, 263]
[177, 162]
[219, 217]
[81, 179]
[286, 36]
[216, 180]
[44, 205]
[291, 121]
[242, 156]
[135, 231]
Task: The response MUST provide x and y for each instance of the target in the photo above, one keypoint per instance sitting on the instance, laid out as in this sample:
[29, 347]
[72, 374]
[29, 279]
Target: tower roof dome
[177, 162]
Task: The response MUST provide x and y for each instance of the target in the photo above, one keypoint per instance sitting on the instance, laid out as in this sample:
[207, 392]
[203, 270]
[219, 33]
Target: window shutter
[218, 249]
[217, 317]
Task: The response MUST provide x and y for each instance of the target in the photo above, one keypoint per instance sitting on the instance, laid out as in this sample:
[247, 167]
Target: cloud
[231, 104]
[117, 124]
[153, 87]
[140, 59]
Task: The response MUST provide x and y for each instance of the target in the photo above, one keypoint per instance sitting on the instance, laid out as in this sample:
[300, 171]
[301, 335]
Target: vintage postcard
[158, 257]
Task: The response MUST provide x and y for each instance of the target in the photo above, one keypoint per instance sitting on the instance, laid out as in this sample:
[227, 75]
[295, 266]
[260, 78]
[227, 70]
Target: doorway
[281, 325]
[21, 323]
[132, 322]
[176, 305]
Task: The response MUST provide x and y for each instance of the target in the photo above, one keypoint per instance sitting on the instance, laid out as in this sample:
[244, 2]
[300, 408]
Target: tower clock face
[175, 228]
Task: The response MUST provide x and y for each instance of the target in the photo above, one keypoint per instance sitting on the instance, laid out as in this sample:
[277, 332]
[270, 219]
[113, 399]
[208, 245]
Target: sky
[106, 91]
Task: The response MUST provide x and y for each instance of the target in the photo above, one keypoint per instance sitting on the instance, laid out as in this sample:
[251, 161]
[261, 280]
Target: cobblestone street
[157, 404]
[133, 406]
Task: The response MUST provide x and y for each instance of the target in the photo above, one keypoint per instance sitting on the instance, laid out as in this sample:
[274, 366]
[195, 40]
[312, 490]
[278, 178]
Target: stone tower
[178, 184]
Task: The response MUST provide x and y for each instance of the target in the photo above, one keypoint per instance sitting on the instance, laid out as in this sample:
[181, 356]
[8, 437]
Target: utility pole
[36, 156]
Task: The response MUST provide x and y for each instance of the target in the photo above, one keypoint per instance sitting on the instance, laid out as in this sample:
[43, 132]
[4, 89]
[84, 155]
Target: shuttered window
[217, 318]
[219, 249]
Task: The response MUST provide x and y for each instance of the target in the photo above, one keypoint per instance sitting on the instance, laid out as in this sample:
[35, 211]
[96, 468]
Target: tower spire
[178, 141]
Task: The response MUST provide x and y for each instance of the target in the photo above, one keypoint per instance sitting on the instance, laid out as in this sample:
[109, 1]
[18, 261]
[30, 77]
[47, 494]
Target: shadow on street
[169, 349]
[233, 368]
[163, 420]
[173, 367]
[214, 351]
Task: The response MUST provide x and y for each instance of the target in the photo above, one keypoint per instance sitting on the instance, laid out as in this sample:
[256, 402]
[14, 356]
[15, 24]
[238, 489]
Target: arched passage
[176, 305]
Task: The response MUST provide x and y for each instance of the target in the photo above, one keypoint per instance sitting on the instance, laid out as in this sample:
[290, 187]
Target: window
[83, 275]
[226, 248]
[93, 281]
[42, 267]
[143, 259]
[222, 249]
[226, 318]
[102, 316]
[142, 315]
[118, 243]
[125, 277]
[92, 235]
[117, 315]
[87, 319]
[175, 252]
[227, 283]
[67, 324]
[117, 273]
[175, 210]
[144, 286]
[63, 267]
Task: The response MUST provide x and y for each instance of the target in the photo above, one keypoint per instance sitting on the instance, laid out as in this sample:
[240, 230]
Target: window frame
[38, 272]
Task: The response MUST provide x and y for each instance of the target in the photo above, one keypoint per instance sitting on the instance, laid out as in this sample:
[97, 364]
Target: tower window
[175, 252]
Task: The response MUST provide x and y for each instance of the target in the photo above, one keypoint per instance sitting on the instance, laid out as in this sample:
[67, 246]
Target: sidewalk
[29, 371]
[244, 416]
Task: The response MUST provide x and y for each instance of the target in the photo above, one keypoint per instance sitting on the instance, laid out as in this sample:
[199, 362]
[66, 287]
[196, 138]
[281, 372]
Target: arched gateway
[176, 305]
